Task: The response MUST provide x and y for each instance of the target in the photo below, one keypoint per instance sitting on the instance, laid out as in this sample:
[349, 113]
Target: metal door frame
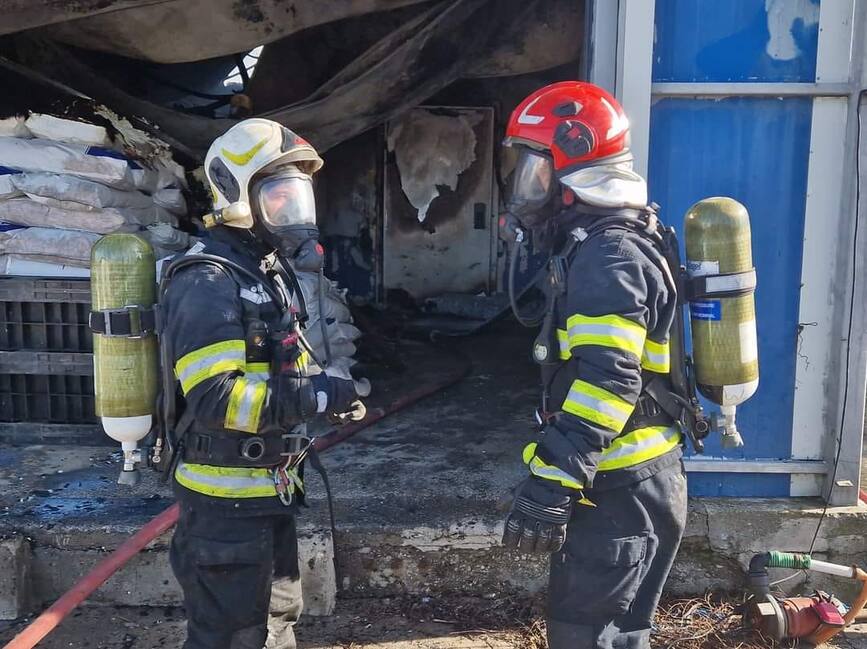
[619, 54]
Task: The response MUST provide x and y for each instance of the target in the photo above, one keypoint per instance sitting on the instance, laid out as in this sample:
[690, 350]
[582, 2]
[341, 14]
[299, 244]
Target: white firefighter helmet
[250, 148]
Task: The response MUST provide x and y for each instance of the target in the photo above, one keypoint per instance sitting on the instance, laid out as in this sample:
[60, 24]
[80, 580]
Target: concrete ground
[415, 499]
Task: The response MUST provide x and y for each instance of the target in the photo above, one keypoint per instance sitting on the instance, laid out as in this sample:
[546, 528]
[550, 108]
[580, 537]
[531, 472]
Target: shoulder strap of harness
[174, 428]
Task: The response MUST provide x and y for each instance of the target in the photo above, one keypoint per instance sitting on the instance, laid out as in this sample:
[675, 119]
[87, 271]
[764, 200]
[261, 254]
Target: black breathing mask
[531, 188]
[285, 210]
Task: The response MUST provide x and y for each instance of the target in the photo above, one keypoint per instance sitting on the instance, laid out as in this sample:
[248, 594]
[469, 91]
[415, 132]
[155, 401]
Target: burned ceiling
[330, 68]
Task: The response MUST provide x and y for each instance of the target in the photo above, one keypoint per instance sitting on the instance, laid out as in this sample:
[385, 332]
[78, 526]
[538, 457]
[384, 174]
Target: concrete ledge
[721, 537]
[63, 558]
[318, 576]
[723, 534]
[15, 582]
[462, 557]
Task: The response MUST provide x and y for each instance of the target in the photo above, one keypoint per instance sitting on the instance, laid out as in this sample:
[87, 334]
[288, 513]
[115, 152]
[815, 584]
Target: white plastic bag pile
[326, 303]
[62, 186]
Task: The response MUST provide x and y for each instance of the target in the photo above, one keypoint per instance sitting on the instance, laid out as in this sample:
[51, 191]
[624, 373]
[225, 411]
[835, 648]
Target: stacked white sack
[59, 179]
[326, 303]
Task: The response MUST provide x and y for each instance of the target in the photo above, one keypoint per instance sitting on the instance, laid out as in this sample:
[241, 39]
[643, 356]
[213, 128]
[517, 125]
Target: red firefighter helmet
[574, 132]
[579, 123]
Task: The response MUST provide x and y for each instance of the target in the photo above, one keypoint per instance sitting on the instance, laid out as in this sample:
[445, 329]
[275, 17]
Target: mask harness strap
[520, 243]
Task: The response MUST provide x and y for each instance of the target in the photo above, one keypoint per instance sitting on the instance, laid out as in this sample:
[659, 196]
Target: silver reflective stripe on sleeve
[639, 445]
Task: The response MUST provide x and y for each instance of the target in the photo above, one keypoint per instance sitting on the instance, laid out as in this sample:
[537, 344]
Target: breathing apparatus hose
[535, 320]
[302, 340]
[54, 615]
[326, 343]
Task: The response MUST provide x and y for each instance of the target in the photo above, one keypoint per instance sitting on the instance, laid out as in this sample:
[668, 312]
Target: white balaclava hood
[613, 185]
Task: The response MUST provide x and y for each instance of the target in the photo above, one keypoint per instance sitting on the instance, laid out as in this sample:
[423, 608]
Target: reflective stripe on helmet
[243, 157]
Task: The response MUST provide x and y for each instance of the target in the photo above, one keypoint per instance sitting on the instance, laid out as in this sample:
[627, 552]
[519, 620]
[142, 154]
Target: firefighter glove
[537, 521]
[333, 394]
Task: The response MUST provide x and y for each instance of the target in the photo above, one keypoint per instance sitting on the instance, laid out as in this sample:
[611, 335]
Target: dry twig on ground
[705, 623]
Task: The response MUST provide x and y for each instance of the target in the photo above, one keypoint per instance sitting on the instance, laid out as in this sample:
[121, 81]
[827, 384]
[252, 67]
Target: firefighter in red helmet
[606, 489]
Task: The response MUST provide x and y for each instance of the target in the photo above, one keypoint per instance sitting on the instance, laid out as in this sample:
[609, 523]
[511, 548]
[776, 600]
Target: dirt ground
[358, 624]
[404, 623]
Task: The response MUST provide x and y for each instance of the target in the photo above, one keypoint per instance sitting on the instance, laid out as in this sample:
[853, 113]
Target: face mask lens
[286, 200]
[532, 182]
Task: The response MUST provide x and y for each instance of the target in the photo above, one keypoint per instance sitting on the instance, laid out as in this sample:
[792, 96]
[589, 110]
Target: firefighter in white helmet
[233, 341]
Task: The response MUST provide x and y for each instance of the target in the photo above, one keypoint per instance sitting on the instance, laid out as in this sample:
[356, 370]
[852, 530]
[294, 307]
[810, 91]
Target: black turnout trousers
[606, 582]
[240, 579]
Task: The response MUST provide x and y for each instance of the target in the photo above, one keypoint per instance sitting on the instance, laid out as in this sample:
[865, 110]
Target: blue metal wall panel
[736, 40]
[743, 485]
[756, 151]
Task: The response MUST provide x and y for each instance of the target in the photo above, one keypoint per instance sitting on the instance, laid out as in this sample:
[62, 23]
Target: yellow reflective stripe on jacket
[245, 404]
[612, 331]
[639, 445]
[597, 405]
[656, 357]
[258, 371]
[563, 340]
[226, 482]
[303, 361]
[201, 364]
[540, 468]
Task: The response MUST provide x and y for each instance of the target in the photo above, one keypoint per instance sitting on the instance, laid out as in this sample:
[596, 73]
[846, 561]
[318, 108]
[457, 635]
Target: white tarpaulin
[431, 150]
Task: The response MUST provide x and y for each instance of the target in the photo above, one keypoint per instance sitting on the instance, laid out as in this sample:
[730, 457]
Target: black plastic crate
[47, 399]
[45, 314]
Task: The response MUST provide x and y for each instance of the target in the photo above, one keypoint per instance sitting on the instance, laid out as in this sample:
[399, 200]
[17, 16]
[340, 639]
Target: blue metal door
[756, 150]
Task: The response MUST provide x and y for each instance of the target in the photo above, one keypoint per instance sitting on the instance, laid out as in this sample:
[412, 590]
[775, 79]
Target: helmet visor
[532, 182]
[286, 199]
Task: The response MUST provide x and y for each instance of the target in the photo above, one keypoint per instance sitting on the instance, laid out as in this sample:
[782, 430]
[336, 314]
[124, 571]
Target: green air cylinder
[123, 276]
[725, 351]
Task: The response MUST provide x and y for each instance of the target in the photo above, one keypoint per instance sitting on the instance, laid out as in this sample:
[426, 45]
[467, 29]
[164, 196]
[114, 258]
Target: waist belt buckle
[294, 444]
[647, 406]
